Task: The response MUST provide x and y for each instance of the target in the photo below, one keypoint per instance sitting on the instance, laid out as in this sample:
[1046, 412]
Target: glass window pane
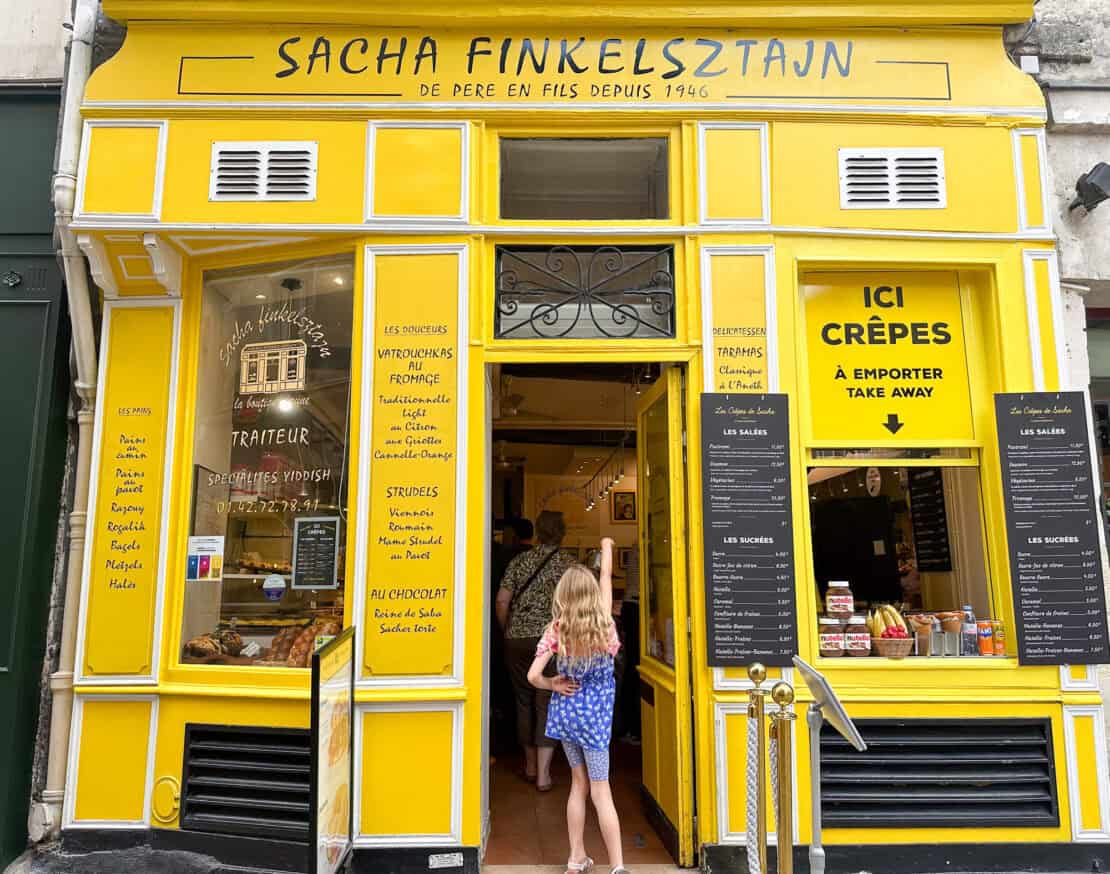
[892, 453]
[585, 179]
[269, 456]
[908, 536]
[655, 488]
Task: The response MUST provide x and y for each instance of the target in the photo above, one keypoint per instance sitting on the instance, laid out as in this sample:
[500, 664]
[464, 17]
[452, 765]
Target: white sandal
[620, 869]
[579, 867]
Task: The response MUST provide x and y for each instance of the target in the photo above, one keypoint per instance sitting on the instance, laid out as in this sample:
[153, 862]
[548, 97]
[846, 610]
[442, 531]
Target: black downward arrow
[892, 424]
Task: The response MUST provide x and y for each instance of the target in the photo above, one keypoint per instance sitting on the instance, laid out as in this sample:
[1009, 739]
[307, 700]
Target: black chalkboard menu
[316, 552]
[1052, 528]
[748, 528]
[929, 520]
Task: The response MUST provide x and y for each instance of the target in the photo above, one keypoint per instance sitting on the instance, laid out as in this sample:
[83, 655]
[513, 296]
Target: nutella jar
[839, 601]
[857, 638]
[830, 633]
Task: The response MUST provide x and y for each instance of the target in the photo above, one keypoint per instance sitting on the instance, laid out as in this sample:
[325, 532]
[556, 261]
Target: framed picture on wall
[626, 557]
[622, 507]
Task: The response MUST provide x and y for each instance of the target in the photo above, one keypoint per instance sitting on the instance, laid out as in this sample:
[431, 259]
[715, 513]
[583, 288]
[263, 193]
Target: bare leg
[576, 813]
[530, 761]
[544, 755]
[607, 818]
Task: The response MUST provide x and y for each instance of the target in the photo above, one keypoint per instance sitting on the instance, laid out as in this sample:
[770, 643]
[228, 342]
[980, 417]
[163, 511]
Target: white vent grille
[892, 179]
[273, 171]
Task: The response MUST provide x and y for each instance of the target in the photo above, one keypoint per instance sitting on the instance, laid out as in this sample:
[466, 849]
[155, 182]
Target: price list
[749, 538]
[1052, 527]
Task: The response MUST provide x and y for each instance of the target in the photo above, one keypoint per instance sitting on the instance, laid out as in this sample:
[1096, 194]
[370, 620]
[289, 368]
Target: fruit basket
[892, 647]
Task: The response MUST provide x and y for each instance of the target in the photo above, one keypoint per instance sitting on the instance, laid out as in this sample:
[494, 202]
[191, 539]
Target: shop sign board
[748, 530]
[887, 357]
[1052, 522]
[554, 66]
[333, 692]
[316, 552]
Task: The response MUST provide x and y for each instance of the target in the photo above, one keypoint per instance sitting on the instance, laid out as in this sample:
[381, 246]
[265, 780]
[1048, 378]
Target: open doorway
[564, 440]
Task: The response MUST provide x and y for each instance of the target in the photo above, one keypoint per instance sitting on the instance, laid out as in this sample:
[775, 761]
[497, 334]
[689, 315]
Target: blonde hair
[576, 607]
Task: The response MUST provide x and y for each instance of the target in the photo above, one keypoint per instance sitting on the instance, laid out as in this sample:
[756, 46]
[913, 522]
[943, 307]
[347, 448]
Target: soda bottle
[969, 634]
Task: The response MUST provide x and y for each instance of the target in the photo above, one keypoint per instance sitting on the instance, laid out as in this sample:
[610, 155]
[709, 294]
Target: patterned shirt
[532, 611]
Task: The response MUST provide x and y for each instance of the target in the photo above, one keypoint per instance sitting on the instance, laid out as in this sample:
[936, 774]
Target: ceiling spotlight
[285, 405]
[260, 296]
[1092, 188]
[338, 280]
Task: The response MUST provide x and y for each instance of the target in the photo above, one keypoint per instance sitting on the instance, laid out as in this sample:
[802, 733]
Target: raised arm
[605, 577]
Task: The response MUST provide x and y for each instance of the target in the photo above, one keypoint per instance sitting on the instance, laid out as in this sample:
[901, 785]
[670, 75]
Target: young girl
[584, 641]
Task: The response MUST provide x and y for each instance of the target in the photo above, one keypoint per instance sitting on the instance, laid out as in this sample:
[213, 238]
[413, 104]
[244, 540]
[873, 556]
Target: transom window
[576, 292]
[567, 179]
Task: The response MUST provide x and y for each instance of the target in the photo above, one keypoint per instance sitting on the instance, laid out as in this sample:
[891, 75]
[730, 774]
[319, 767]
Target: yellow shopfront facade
[317, 245]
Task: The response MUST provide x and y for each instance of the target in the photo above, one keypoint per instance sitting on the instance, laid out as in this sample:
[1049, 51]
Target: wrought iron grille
[576, 292]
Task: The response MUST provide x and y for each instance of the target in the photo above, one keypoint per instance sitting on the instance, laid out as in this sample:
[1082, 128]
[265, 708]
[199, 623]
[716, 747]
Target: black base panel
[983, 858]
[272, 855]
[668, 834]
[237, 852]
[409, 860]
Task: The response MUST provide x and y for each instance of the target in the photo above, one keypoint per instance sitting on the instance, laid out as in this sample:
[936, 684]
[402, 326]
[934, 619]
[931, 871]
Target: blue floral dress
[586, 717]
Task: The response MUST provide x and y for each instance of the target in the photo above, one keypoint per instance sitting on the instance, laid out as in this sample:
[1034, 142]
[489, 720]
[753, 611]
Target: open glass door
[664, 662]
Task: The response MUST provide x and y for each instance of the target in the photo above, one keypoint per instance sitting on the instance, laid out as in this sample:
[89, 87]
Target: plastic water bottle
[969, 634]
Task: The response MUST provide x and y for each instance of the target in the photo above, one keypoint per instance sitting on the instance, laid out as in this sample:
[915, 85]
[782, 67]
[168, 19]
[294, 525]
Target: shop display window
[908, 541]
[564, 179]
[264, 573]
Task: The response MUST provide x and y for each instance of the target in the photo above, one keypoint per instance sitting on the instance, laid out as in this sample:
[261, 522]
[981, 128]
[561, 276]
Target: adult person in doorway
[516, 538]
[523, 612]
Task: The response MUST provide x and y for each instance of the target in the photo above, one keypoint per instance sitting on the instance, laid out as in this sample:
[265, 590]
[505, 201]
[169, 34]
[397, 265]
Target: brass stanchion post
[757, 701]
[783, 727]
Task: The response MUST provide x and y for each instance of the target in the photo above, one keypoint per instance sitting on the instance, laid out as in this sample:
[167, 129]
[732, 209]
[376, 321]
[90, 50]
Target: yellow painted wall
[410, 752]
[110, 146]
[112, 759]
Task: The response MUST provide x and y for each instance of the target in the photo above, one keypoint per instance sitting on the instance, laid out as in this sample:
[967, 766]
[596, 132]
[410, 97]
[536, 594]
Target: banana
[880, 623]
[894, 617]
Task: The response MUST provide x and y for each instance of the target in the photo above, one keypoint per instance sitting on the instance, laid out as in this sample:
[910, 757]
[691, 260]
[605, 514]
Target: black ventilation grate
[958, 773]
[246, 781]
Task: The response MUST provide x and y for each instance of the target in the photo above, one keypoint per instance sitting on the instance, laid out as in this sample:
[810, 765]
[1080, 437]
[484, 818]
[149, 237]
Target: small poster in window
[316, 552]
[205, 559]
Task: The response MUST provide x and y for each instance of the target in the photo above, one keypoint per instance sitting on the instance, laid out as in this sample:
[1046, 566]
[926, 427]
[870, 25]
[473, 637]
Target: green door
[32, 456]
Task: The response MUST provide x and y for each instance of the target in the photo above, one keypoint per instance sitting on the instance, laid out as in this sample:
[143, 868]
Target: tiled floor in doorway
[529, 828]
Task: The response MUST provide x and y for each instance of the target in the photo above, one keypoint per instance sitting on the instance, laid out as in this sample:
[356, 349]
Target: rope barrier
[753, 795]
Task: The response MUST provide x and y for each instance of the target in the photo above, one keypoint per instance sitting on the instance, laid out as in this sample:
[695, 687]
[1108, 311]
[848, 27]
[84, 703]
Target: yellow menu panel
[739, 323]
[123, 571]
[410, 590]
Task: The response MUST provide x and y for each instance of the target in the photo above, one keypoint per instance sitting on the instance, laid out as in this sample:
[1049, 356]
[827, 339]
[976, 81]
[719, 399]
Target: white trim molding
[110, 306]
[437, 227]
[366, 419]
[463, 214]
[764, 172]
[454, 836]
[1075, 766]
[166, 263]
[1032, 310]
[721, 683]
[234, 243]
[829, 108]
[1089, 683]
[770, 317]
[1019, 176]
[721, 712]
[155, 213]
[69, 819]
[100, 265]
